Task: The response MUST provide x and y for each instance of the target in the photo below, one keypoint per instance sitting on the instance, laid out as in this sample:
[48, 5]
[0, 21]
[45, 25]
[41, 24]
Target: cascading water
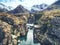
[29, 40]
[30, 37]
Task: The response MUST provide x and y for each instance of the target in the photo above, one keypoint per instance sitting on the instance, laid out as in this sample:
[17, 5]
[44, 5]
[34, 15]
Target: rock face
[49, 31]
[11, 27]
[5, 33]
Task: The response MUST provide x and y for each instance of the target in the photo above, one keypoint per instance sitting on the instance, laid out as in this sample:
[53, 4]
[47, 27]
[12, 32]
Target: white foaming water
[30, 37]
[29, 40]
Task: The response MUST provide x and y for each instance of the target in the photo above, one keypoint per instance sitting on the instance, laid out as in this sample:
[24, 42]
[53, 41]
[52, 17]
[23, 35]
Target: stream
[28, 40]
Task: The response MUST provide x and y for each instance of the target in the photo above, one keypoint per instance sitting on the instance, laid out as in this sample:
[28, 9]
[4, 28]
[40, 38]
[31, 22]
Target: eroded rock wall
[11, 27]
[49, 31]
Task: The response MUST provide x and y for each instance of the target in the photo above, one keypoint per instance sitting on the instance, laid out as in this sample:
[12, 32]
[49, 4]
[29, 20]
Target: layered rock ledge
[12, 27]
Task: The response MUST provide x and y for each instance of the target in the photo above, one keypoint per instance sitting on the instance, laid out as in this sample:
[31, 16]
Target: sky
[26, 3]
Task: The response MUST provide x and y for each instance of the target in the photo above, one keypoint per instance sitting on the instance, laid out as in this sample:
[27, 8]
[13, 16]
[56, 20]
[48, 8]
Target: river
[29, 38]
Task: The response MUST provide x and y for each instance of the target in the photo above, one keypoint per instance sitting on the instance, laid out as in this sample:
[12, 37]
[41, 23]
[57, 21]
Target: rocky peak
[40, 7]
[19, 9]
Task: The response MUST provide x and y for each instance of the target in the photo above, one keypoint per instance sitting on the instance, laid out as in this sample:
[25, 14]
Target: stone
[15, 41]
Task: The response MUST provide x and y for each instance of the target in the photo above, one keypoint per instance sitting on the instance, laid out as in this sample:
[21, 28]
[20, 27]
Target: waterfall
[30, 37]
[29, 40]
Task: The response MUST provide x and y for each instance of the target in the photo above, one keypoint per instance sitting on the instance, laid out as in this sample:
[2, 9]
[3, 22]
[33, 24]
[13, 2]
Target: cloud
[26, 3]
[30, 3]
[21, 0]
[12, 3]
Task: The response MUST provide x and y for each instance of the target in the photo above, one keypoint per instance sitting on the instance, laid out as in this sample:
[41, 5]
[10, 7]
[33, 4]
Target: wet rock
[14, 41]
[46, 42]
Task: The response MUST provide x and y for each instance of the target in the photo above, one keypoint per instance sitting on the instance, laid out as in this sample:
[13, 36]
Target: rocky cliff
[49, 31]
[12, 27]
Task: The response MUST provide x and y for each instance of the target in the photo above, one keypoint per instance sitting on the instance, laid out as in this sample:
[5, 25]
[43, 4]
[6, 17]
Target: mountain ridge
[4, 8]
[55, 5]
[18, 9]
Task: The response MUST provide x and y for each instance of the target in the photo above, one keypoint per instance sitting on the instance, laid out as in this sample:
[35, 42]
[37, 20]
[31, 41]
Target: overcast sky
[26, 3]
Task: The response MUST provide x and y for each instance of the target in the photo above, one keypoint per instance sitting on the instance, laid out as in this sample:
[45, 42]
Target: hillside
[55, 5]
[12, 27]
[49, 31]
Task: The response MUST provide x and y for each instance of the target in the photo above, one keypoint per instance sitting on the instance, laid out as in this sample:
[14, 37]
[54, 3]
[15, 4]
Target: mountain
[4, 8]
[55, 5]
[40, 7]
[19, 9]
